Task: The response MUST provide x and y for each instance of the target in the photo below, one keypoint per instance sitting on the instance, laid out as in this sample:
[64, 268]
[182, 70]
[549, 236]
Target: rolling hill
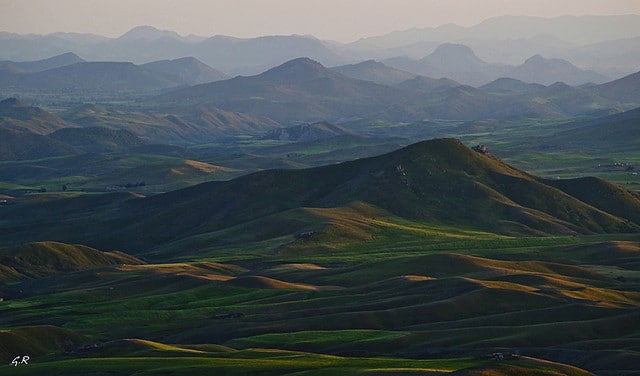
[625, 89]
[538, 69]
[41, 65]
[37, 260]
[601, 133]
[17, 115]
[194, 125]
[97, 139]
[439, 181]
[94, 77]
[374, 71]
[430, 258]
[422, 83]
[506, 85]
[16, 145]
[307, 132]
[190, 70]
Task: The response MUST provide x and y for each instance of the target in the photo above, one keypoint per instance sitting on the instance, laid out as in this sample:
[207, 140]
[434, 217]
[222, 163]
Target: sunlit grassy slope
[421, 261]
[440, 298]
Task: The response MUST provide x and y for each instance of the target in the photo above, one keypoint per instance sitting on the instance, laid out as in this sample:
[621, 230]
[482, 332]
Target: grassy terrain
[446, 297]
[345, 269]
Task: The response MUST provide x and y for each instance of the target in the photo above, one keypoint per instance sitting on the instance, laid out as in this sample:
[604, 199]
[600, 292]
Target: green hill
[438, 181]
[15, 114]
[37, 341]
[36, 260]
[97, 139]
[198, 125]
[18, 145]
[308, 132]
[619, 132]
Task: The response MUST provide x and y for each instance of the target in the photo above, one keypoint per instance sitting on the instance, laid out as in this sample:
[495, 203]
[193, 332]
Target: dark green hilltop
[439, 181]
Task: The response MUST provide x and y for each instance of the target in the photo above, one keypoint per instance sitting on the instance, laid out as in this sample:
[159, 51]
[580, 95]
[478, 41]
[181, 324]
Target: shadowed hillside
[15, 114]
[438, 181]
[97, 139]
[37, 260]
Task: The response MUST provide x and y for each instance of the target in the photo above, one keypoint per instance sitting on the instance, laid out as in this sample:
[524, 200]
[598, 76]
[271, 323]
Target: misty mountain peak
[454, 51]
[451, 57]
[541, 60]
[300, 69]
[548, 71]
[148, 33]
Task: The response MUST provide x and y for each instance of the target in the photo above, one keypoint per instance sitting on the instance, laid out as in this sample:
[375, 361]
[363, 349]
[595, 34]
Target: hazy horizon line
[193, 35]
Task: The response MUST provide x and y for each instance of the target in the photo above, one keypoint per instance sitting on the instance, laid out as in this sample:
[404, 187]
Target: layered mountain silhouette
[191, 70]
[92, 77]
[41, 65]
[603, 43]
[510, 86]
[625, 89]
[15, 114]
[422, 83]
[601, 133]
[300, 89]
[375, 71]
[97, 139]
[438, 181]
[460, 63]
[537, 69]
[308, 132]
[69, 74]
[453, 61]
[304, 90]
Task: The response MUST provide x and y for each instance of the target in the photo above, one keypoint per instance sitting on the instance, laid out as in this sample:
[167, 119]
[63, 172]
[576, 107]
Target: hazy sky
[342, 20]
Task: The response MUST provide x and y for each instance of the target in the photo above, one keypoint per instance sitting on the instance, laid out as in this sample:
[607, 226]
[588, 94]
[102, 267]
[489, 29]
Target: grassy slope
[407, 302]
[35, 260]
[365, 283]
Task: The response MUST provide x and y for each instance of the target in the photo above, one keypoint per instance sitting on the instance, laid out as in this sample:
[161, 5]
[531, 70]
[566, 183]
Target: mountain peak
[148, 33]
[548, 71]
[450, 50]
[451, 57]
[300, 69]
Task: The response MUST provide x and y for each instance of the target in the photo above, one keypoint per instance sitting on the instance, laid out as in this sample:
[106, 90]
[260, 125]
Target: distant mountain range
[460, 63]
[68, 73]
[298, 91]
[304, 90]
[605, 44]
